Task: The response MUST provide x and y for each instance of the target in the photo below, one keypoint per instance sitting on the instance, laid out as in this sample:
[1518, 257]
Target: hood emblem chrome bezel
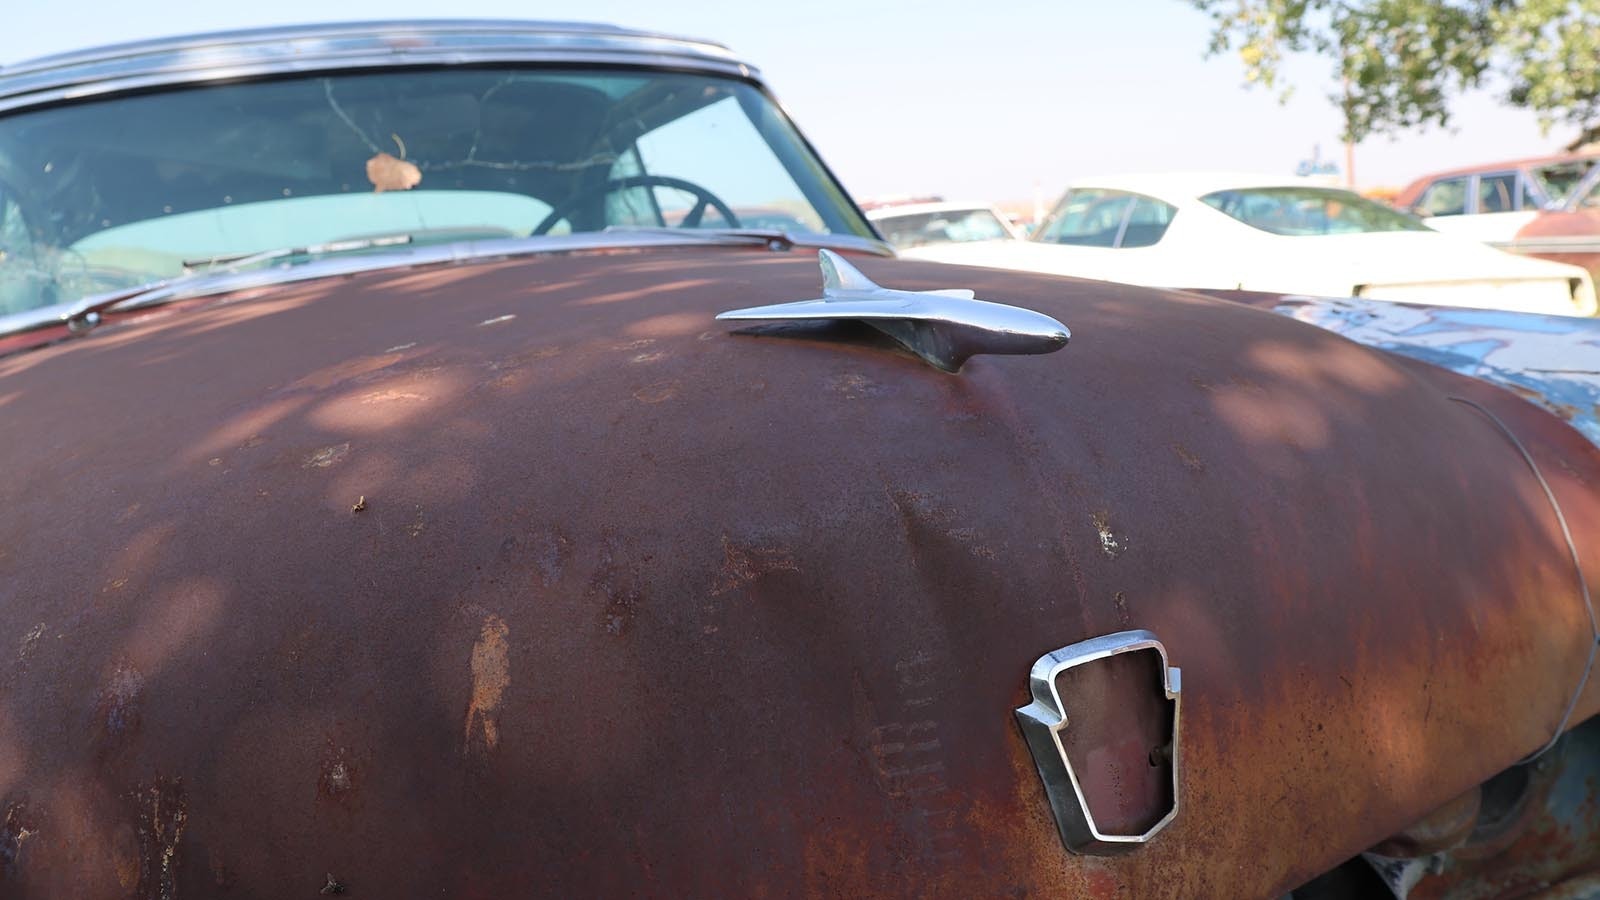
[1045, 718]
[944, 327]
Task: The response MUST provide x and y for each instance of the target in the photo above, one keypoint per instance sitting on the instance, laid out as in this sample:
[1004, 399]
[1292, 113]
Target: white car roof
[910, 209]
[1188, 185]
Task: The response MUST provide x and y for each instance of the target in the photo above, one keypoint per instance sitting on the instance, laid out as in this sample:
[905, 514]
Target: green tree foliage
[1400, 63]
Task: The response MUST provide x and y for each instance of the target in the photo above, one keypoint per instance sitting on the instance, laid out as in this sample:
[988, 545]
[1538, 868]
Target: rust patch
[117, 713]
[17, 828]
[1190, 461]
[327, 456]
[551, 553]
[25, 646]
[125, 856]
[390, 396]
[916, 510]
[853, 387]
[619, 612]
[337, 776]
[743, 564]
[491, 673]
[163, 813]
[657, 392]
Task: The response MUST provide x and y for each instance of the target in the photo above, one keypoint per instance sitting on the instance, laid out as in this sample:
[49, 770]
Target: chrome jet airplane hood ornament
[943, 327]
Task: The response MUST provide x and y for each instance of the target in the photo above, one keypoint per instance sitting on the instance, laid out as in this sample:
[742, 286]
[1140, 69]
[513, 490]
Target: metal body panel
[639, 606]
[1553, 361]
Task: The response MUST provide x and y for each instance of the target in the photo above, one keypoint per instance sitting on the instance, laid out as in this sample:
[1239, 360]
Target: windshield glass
[117, 193]
[1558, 179]
[949, 226]
[1310, 210]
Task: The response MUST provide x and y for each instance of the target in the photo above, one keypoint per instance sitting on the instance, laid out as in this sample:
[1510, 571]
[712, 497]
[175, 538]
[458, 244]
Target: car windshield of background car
[1558, 179]
[952, 226]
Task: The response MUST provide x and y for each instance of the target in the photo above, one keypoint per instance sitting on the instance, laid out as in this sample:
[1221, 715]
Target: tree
[1401, 63]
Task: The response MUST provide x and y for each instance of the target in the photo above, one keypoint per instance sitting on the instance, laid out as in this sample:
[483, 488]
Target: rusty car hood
[469, 580]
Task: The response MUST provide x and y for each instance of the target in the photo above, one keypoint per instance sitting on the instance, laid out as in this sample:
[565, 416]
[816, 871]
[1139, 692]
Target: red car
[1547, 206]
[430, 474]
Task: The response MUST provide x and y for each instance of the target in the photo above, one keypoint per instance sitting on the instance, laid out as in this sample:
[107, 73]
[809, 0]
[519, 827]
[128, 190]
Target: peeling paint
[743, 564]
[657, 392]
[498, 319]
[163, 814]
[391, 396]
[852, 386]
[117, 713]
[327, 456]
[1110, 544]
[337, 774]
[491, 674]
[1190, 461]
[14, 832]
[25, 646]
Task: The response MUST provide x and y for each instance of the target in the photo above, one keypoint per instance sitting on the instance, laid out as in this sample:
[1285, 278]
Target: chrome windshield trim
[361, 45]
[81, 315]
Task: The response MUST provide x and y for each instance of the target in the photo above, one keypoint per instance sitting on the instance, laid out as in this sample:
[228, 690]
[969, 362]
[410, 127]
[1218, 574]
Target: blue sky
[1002, 100]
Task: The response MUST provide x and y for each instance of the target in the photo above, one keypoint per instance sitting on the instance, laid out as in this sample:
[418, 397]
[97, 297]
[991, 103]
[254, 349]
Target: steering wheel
[703, 199]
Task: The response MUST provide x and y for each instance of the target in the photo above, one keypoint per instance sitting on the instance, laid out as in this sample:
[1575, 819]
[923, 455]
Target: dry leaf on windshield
[390, 173]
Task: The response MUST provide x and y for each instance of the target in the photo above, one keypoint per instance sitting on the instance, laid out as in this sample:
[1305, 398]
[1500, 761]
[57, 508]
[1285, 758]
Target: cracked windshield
[108, 196]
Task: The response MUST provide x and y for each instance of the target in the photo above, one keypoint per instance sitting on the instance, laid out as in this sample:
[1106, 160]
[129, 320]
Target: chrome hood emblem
[943, 327]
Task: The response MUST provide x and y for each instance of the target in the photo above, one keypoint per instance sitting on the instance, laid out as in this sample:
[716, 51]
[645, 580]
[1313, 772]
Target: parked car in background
[397, 504]
[1547, 206]
[1274, 234]
[917, 230]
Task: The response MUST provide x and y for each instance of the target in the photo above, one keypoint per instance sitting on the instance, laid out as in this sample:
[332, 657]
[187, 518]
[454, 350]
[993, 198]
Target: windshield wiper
[237, 261]
[771, 238]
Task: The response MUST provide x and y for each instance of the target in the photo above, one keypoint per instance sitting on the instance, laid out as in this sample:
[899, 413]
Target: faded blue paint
[1551, 360]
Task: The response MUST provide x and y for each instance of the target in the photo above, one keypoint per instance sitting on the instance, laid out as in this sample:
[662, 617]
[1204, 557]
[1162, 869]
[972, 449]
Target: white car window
[1086, 217]
[1147, 222]
[1095, 217]
[1309, 211]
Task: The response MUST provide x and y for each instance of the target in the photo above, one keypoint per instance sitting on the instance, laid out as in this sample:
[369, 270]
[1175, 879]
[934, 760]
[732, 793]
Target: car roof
[1409, 194]
[907, 209]
[1505, 165]
[254, 52]
[1189, 185]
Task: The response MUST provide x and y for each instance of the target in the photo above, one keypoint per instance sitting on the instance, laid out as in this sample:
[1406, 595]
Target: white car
[919, 230]
[1274, 234]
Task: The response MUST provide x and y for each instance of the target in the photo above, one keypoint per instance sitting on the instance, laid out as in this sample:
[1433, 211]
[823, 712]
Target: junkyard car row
[487, 459]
